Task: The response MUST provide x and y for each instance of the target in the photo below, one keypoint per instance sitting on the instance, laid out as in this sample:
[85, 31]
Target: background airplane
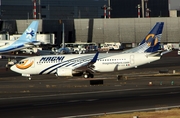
[62, 50]
[27, 39]
[88, 64]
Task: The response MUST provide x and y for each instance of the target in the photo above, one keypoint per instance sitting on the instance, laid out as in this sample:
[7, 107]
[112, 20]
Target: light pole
[34, 9]
[142, 7]
[109, 9]
[138, 7]
[104, 7]
[39, 9]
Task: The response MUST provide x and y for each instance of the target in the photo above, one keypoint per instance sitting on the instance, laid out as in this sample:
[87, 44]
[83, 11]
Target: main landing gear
[88, 75]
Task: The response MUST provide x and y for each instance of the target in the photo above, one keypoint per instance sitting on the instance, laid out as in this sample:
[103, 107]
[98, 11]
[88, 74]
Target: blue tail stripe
[157, 29]
[153, 49]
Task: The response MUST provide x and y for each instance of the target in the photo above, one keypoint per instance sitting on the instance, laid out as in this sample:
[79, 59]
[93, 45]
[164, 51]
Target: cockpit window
[21, 62]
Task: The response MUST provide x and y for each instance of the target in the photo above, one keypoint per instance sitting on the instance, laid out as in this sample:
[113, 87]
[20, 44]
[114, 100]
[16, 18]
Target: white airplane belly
[151, 59]
[105, 67]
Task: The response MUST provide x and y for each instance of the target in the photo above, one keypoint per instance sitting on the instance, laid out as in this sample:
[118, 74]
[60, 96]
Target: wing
[33, 43]
[88, 66]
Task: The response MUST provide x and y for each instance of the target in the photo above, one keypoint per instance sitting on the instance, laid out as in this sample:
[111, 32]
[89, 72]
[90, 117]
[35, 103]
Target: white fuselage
[106, 62]
[10, 46]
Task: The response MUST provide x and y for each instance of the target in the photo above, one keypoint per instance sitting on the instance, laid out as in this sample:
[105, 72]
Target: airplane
[27, 39]
[63, 49]
[88, 64]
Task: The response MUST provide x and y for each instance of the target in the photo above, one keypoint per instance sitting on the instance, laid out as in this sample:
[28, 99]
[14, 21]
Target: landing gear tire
[91, 76]
[76, 52]
[88, 75]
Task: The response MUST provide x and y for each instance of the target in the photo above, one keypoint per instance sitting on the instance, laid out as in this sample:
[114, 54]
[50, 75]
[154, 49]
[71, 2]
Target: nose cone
[13, 68]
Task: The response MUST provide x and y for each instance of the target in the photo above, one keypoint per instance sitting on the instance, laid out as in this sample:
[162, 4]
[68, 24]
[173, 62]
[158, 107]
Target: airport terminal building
[89, 21]
[72, 9]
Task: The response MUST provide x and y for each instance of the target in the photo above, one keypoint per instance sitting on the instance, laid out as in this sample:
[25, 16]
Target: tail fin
[29, 34]
[151, 42]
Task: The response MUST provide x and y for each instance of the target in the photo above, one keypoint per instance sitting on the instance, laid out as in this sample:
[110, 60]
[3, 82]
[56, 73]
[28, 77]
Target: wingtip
[95, 57]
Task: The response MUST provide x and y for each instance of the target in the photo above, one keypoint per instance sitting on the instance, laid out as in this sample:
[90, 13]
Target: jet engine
[64, 72]
[68, 72]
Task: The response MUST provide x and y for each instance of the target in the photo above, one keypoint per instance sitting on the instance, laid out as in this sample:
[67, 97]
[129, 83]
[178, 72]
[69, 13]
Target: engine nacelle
[64, 72]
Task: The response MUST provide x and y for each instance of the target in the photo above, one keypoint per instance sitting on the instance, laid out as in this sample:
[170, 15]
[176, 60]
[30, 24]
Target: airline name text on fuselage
[58, 58]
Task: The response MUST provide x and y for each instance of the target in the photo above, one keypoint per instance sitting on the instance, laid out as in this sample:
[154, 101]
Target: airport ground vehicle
[113, 45]
[28, 50]
[81, 47]
[104, 48]
[11, 62]
[31, 50]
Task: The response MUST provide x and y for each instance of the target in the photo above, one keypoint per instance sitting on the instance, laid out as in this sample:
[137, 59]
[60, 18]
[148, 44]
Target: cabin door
[132, 59]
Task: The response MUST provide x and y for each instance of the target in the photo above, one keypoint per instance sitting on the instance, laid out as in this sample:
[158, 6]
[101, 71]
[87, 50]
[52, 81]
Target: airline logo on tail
[151, 40]
[30, 33]
[25, 64]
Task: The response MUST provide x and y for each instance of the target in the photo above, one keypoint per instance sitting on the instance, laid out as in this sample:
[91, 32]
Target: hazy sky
[174, 4]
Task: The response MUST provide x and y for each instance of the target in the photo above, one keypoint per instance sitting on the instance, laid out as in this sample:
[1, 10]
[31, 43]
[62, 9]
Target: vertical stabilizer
[151, 42]
[153, 39]
[29, 34]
